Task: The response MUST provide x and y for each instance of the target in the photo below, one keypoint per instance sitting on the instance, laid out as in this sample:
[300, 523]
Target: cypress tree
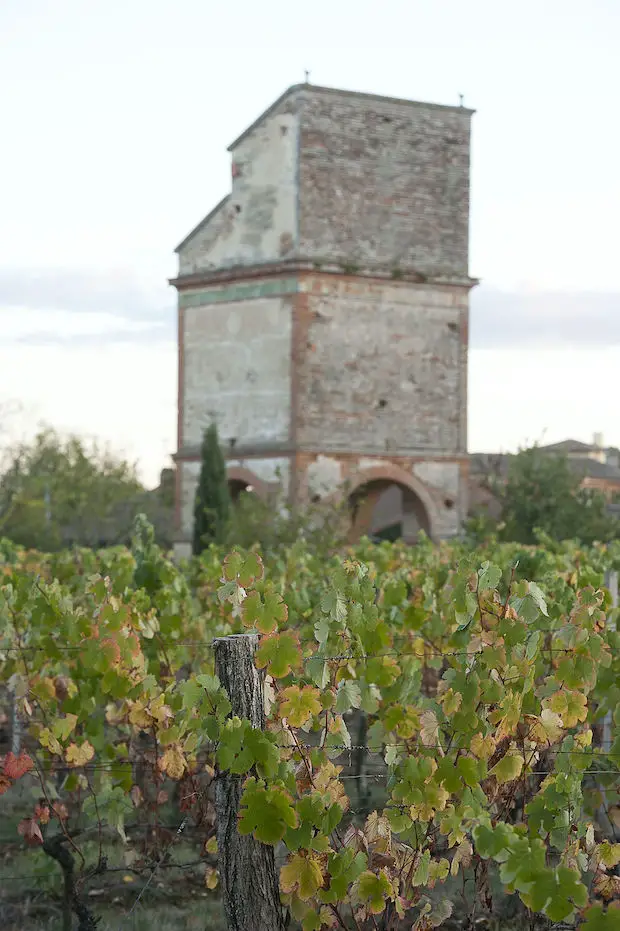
[212, 502]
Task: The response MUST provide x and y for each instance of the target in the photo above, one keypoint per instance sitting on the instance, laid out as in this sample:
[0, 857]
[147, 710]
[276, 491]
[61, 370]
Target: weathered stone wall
[271, 470]
[345, 372]
[257, 222]
[236, 366]
[346, 179]
[439, 484]
[384, 182]
[380, 367]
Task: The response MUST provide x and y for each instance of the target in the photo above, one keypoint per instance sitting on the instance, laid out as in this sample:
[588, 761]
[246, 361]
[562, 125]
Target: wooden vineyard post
[248, 876]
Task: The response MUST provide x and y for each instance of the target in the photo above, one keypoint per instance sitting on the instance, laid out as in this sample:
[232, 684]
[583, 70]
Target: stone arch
[367, 487]
[242, 479]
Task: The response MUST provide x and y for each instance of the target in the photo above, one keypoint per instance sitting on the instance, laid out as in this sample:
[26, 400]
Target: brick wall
[384, 182]
[380, 367]
[347, 179]
[440, 484]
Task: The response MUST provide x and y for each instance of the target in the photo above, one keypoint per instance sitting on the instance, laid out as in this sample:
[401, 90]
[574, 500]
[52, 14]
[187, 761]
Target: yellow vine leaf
[429, 731]
[482, 747]
[451, 701]
[173, 762]
[79, 756]
[51, 743]
[139, 717]
[302, 875]
[462, 855]
[507, 716]
[300, 704]
[378, 832]
[326, 781]
[571, 706]
[546, 729]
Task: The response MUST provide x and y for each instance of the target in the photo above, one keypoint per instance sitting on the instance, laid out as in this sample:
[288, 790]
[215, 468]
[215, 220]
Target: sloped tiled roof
[569, 446]
[497, 464]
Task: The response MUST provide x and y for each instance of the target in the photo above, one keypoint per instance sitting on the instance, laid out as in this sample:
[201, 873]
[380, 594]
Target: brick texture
[379, 367]
[384, 183]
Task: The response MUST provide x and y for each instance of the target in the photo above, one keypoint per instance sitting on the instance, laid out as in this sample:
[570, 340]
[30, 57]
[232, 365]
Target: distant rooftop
[580, 457]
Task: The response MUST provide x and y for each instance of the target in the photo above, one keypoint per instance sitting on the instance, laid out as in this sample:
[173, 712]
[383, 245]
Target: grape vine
[433, 737]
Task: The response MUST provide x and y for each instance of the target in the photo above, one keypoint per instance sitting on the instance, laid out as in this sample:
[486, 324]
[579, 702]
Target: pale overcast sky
[116, 115]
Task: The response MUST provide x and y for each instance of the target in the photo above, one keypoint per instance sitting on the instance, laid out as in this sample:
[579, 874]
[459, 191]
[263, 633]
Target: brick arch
[242, 476]
[381, 476]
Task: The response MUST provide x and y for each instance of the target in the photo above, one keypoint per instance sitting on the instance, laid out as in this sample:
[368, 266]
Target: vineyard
[436, 741]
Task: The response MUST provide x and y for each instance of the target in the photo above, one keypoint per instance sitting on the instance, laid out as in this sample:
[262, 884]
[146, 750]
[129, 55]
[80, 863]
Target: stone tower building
[323, 311]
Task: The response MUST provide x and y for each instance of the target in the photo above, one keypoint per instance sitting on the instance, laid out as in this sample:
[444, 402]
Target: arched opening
[243, 481]
[387, 510]
[238, 487]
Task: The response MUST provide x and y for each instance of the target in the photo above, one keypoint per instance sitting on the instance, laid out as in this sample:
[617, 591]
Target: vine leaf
[299, 705]
[374, 890]
[302, 875]
[173, 762]
[571, 706]
[597, 919]
[17, 766]
[243, 568]
[545, 729]
[279, 654]
[30, 831]
[348, 696]
[79, 756]
[509, 768]
[266, 812]
[266, 614]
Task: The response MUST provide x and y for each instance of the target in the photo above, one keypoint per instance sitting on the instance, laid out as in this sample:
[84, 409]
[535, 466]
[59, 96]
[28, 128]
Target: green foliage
[273, 525]
[482, 677]
[57, 492]
[543, 493]
[212, 502]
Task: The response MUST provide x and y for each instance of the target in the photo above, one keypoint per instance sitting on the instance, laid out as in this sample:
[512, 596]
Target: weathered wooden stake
[250, 886]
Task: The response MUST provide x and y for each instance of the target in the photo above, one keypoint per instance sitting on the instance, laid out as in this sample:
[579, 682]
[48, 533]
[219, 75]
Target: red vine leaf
[30, 831]
[17, 766]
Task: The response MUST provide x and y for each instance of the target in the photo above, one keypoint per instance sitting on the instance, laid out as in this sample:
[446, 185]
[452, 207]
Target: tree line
[60, 491]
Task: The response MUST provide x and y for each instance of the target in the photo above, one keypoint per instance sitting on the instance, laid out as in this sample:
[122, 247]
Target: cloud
[115, 292]
[82, 308]
[79, 309]
[543, 320]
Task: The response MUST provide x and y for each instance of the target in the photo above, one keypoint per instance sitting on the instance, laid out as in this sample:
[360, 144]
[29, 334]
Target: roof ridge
[342, 92]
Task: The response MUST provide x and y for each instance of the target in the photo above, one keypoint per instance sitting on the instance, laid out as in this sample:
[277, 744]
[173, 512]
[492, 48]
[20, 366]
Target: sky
[116, 118]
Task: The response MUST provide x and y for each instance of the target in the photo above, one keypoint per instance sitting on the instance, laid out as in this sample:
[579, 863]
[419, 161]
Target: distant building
[597, 465]
[323, 312]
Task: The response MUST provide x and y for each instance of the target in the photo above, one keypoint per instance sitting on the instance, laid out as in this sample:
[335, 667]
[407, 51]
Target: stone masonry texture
[381, 368]
[384, 183]
[323, 304]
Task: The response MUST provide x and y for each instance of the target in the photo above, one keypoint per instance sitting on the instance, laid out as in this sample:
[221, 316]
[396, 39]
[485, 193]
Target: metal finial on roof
[306, 77]
[461, 98]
